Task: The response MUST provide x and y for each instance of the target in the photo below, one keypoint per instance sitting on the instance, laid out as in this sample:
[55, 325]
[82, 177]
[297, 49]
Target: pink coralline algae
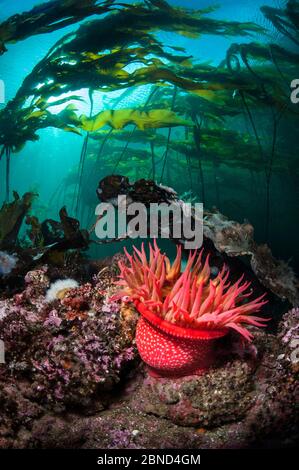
[289, 335]
[183, 313]
[66, 351]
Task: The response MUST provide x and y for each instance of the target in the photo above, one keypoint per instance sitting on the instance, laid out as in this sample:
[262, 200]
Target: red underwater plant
[182, 310]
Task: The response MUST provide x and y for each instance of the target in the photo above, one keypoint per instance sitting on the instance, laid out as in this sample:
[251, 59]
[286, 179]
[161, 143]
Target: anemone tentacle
[189, 299]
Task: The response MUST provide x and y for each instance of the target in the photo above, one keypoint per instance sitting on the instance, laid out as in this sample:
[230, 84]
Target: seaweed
[117, 119]
[77, 61]
[19, 125]
[131, 134]
[169, 135]
[286, 20]
[197, 141]
[11, 218]
[48, 17]
[220, 146]
[259, 61]
[251, 80]
[83, 157]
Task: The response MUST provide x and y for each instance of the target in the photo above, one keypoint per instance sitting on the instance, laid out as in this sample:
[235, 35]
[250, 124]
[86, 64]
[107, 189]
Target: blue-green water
[237, 187]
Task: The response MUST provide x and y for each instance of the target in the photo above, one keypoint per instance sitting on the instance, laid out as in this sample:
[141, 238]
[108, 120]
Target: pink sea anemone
[190, 299]
[181, 311]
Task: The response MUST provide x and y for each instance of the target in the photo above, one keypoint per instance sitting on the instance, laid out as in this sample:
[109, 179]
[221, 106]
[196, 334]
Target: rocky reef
[72, 378]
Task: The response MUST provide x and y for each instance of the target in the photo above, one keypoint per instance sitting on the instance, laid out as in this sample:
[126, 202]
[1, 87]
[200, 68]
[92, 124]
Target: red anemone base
[173, 351]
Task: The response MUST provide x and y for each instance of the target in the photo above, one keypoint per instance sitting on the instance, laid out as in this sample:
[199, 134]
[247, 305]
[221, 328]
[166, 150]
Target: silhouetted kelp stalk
[7, 152]
[149, 99]
[131, 134]
[259, 52]
[105, 140]
[286, 20]
[188, 160]
[153, 171]
[269, 169]
[169, 135]
[227, 146]
[76, 61]
[197, 141]
[82, 159]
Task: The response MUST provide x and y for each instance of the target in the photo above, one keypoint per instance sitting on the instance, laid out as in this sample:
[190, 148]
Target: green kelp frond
[263, 53]
[190, 23]
[223, 145]
[20, 125]
[117, 119]
[231, 148]
[48, 17]
[95, 59]
[286, 20]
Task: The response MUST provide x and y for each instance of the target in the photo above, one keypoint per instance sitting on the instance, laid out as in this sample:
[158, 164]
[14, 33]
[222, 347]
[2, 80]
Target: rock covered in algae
[219, 396]
[72, 379]
[232, 238]
[67, 350]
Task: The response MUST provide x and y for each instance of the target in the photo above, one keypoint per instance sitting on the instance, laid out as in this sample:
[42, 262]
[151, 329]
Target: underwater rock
[68, 350]
[228, 237]
[111, 429]
[245, 402]
[38, 278]
[289, 335]
[17, 411]
[248, 400]
[212, 399]
[235, 239]
[275, 274]
[144, 191]
[30, 300]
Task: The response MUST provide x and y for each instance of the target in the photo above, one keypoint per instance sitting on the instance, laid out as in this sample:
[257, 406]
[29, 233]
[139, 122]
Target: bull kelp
[149, 265]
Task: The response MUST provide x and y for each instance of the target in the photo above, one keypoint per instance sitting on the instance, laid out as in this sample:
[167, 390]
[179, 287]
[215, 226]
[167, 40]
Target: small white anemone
[58, 289]
[7, 263]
